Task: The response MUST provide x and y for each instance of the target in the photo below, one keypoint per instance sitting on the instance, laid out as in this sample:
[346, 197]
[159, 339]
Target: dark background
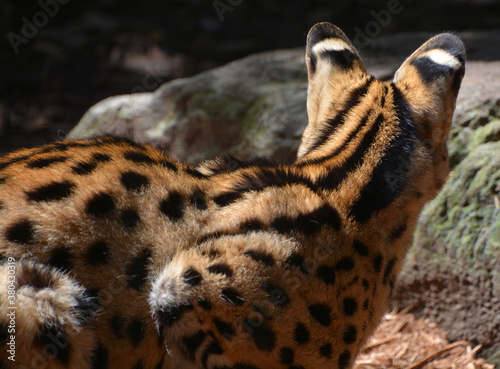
[88, 50]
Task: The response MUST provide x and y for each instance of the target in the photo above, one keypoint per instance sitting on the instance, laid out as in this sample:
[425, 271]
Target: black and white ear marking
[327, 42]
[441, 57]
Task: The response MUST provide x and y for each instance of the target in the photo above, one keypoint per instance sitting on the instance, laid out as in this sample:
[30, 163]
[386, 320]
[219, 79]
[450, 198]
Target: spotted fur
[125, 258]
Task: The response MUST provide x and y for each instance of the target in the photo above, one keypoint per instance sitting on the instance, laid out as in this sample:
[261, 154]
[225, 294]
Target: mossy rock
[461, 226]
[474, 124]
[253, 106]
[452, 272]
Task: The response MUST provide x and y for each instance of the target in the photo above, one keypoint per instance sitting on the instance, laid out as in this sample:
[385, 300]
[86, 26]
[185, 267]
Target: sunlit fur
[127, 259]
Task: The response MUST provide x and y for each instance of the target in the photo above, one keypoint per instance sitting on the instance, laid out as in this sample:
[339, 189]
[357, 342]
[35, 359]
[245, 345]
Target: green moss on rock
[460, 228]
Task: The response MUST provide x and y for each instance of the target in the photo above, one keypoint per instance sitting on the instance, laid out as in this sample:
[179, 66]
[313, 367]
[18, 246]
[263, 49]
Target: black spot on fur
[221, 268]
[227, 198]
[286, 355]
[214, 253]
[320, 313]
[117, 324]
[301, 334]
[344, 359]
[232, 296]
[98, 253]
[349, 306]
[377, 263]
[102, 158]
[130, 218]
[136, 331]
[165, 163]
[100, 358]
[345, 264]
[388, 269]
[55, 340]
[398, 231]
[138, 157]
[276, 295]
[192, 277]
[3, 180]
[22, 231]
[169, 314]
[172, 206]
[366, 304]
[212, 349]
[100, 205]
[192, 343]
[52, 192]
[136, 270]
[326, 350]
[260, 256]
[350, 334]
[61, 258]
[308, 222]
[263, 337]
[297, 261]
[366, 284]
[224, 328]
[205, 305]
[198, 200]
[326, 274]
[45, 162]
[84, 168]
[360, 248]
[134, 181]
[252, 225]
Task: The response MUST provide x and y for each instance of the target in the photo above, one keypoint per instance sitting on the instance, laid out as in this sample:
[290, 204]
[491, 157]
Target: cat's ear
[430, 79]
[333, 66]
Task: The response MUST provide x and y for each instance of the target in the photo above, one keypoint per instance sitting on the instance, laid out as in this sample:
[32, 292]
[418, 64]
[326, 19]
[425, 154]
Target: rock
[254, 106]
[452, 272]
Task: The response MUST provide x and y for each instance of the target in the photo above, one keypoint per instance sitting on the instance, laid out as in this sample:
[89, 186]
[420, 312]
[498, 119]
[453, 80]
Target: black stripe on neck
[338, 172]
[261, 179]
[390, 176]
[334, 123]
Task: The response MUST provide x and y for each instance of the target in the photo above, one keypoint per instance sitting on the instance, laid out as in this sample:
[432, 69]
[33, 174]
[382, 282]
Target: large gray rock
[254, 106]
